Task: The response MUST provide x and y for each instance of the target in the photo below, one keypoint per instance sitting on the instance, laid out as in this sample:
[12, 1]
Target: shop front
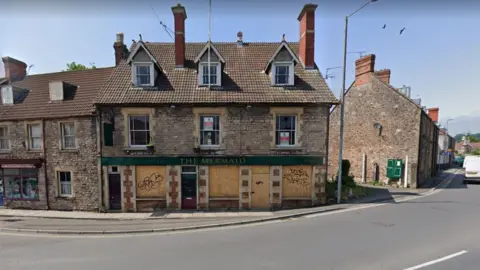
[208, 183]
[19, 181]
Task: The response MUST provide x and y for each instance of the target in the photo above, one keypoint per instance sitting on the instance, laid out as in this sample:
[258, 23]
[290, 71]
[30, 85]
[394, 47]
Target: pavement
[85, 223]
[435, 231]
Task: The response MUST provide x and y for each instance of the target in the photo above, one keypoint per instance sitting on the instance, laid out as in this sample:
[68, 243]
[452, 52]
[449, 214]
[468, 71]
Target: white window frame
[60, 185]
[62, 134]
[291, 73]
[295, 143]
[214, 130]
[200, 73]
[7, 89]
[129, 131]
[143, 64]
[6, 138]
[30, 138]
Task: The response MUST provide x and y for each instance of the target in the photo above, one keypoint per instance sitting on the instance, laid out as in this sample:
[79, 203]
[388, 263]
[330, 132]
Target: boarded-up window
[223, 181]
[150, 181]
[297, 182]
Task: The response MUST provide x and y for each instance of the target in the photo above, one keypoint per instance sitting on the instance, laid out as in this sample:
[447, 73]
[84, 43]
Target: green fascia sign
[225, 160]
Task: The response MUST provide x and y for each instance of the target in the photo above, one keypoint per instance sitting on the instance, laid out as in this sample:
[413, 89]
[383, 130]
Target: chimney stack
[180, 15]
[307, 35]
[239, 39]
[433, 114]
[120, 48]
[384, 75]
[15, 70]
[363, 67]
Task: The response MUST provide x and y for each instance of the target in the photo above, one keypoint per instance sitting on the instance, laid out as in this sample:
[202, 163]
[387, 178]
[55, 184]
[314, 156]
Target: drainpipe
[100, 149]
[45, 164]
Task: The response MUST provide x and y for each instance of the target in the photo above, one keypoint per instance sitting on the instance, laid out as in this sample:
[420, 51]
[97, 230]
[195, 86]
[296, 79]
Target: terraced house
[227, 125]
[48, 142]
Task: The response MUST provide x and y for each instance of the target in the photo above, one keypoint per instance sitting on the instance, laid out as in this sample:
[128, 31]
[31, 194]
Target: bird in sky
[384, 26]
[401, 31]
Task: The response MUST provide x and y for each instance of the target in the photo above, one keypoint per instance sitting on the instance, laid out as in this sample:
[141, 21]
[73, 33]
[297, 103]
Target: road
[435, 232]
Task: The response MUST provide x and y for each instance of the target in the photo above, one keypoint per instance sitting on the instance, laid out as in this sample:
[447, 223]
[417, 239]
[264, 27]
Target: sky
[437, 55]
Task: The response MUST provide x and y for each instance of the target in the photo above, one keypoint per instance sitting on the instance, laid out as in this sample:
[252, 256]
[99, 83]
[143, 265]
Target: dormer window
[209, 77]
[7, 95]
[283, 73]
[143, 74]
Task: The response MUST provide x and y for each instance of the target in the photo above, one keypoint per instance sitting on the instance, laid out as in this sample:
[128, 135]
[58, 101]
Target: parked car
[459, 161]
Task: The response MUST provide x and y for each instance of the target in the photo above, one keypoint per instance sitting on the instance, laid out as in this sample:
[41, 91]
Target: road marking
[437, 260]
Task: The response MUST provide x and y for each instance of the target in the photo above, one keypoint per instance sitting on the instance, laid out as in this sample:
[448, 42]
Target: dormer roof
[205, 50]
[140, 45]
[283, 45]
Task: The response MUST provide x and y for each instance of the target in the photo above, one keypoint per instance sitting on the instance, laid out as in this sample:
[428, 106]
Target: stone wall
[81, 162]
[367, 104]
[428, 149]
[245, 131]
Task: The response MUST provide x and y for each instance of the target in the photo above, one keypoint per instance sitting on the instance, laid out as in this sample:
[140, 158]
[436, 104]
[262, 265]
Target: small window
[282, 73]
[139, 130]
[65, 180]
[4, 140]
[285, 130]
[211, 77]
[35, 136]
[143, 74]
[210, 130]
[7, 95]
[113, 170]
[68, 135]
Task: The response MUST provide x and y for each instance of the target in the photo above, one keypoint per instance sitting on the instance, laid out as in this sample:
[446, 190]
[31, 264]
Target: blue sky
[437, 55]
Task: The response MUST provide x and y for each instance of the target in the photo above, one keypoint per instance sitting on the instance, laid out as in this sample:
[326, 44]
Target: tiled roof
[243, 80]
[36, 103]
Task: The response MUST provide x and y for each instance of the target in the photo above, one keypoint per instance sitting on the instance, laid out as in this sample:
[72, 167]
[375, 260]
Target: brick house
[247, 131]
[48, 142]
[382, 123]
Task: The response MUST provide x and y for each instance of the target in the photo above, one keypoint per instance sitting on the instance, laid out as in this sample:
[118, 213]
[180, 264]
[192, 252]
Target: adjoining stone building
[382, 123]
[48, 142]
[246, 128]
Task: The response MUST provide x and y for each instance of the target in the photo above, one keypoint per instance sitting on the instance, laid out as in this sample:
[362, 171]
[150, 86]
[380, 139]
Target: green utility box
[394, 168]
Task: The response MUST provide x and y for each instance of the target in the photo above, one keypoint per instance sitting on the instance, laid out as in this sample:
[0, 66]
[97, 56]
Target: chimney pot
[363, 69]
[239, 39]
[15, 70]
[119, 38]
[307, 35]
[433, 114]
[180, 15]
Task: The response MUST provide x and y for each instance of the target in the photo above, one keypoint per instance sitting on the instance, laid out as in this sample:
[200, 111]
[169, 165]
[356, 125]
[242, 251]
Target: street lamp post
[342, 102]
[446, 125]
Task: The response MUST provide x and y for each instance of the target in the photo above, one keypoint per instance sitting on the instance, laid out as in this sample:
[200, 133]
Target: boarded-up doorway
[260, 187]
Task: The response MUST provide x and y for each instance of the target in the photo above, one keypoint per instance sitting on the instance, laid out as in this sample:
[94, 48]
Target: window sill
[65, 197]
[5, 151]
[35, 150]
[209, 148]
[22, 200]
[69, 150]
[287, 148]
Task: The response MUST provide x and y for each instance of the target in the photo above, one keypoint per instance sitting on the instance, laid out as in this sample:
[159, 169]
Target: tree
[74, 66]
[475, 137]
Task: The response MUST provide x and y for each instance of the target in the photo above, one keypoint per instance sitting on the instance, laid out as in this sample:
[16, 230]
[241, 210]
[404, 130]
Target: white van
[472, 169]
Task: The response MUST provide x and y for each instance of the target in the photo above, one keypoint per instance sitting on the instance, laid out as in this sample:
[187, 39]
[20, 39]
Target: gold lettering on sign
[297, 177]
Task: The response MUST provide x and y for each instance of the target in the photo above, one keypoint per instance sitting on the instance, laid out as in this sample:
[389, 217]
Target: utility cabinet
[394, 168]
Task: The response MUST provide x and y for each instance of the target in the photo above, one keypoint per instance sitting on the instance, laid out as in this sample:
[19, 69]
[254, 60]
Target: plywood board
[150, 181]
[297, 181]
[223, 181]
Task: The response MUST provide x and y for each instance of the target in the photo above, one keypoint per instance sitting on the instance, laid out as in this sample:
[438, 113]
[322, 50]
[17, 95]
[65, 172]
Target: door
[189, 187]
[115, 191]
[1, 189]
[260, 187]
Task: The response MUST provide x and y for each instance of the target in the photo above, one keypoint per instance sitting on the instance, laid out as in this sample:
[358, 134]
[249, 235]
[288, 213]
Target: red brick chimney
[384, 75]
[363, 67]
[120, 48]
[433, 114]
[15, 70]
[307, 35]
[180, 15]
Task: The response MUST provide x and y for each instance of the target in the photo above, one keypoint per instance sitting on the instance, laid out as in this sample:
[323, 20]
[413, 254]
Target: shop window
[20, 184]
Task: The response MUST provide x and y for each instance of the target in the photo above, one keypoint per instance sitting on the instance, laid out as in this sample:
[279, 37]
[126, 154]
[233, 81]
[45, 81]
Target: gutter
[100, 155]
[45, 164]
